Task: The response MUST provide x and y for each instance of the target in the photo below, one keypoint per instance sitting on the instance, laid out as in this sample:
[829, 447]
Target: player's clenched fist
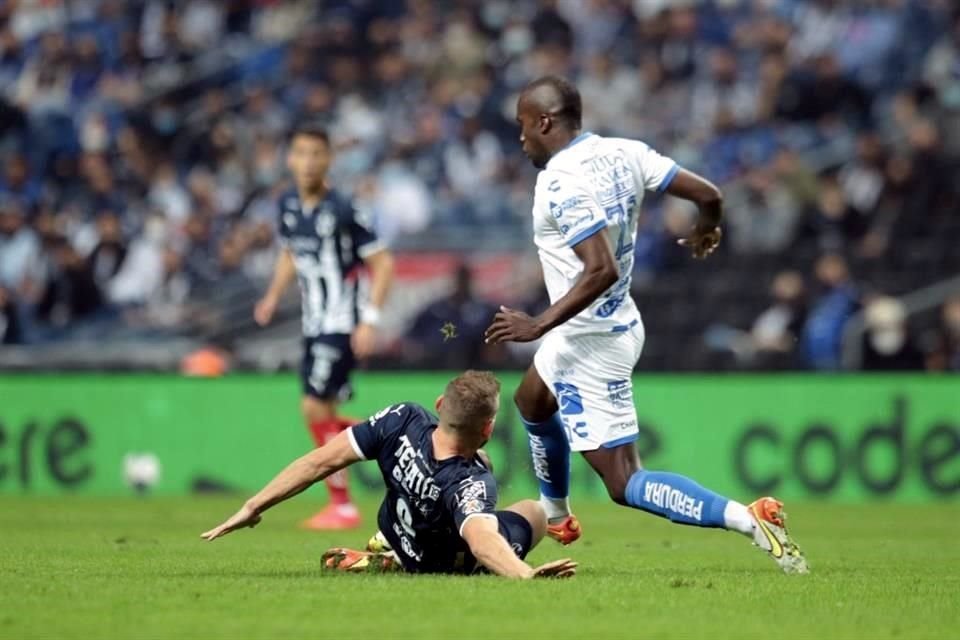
[703, 240]
[510, 325]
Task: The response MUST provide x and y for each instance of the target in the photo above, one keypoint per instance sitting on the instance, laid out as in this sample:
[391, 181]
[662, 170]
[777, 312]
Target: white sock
[736, 517]
[556, 508]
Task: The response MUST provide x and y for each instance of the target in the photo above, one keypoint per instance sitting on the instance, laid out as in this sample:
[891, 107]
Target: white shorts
[591, 377]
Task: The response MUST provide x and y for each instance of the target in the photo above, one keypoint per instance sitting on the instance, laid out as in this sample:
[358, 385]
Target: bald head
[556, 97]
[549, 112]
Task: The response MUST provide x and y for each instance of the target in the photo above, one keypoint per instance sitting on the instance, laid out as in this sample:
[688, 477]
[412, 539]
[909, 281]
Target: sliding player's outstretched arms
[493, 552]
[599, 274]
[705, 236]
[300, 474]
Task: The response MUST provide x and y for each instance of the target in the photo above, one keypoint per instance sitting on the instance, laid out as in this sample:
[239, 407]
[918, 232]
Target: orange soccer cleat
[334, 517]
[566, 531]
[770, 534]
[352, 561]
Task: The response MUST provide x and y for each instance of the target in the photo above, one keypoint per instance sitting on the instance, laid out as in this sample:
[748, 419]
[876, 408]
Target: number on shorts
[405, 517]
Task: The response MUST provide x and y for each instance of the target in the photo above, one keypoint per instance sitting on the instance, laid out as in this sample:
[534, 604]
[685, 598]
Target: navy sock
[676, 497]
[550, 450]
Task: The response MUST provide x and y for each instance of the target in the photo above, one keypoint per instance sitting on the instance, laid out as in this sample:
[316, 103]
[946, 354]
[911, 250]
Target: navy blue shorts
[327, 364]
[518, 533]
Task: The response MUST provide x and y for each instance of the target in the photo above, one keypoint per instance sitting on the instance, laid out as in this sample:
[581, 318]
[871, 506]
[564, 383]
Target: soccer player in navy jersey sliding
[578, 394]
[326, 242]
[440, 512]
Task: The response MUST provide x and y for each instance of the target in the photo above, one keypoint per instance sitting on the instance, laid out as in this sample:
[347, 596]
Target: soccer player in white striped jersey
[578, 394]
[326, 243]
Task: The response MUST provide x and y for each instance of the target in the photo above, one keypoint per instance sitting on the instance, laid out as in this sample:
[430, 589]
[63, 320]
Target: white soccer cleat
[770, 534]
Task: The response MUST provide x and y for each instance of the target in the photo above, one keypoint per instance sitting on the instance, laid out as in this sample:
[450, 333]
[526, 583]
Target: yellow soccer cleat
[770, 534]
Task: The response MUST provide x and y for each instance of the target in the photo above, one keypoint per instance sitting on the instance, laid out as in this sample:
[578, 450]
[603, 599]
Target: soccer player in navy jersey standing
[326, 243]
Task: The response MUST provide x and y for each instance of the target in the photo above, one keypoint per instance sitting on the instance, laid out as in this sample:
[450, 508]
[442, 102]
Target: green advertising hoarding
[845, 438]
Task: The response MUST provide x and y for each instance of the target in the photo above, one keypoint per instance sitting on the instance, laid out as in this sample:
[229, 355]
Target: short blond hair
[469, 401]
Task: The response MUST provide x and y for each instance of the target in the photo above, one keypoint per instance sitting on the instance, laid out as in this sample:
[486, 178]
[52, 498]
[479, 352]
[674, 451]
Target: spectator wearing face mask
[887, 344]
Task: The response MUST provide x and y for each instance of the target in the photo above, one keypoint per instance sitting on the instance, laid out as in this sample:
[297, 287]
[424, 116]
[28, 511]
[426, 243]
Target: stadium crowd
[141, 147]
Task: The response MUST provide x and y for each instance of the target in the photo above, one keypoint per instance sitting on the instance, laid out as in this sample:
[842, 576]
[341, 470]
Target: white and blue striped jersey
[595, 185]
[328, 245]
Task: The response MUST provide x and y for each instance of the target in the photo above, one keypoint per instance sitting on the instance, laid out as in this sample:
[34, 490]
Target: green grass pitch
[126, 568]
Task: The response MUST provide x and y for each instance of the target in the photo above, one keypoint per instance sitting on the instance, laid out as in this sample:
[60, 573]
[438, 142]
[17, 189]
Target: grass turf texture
[125, 568]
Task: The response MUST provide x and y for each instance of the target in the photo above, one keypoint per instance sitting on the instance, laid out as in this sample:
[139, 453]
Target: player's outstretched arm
[599, 274]
[493, 552]
[705, 236]
[300, 474]
[284, 273]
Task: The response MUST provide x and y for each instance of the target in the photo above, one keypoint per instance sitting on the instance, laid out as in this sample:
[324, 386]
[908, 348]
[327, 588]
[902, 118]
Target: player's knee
[314, 410]
[532, 511]
[524, 406]
[530, 407]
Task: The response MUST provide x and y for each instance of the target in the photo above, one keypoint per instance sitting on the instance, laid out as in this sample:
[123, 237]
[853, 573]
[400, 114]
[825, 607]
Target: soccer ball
[141, 471]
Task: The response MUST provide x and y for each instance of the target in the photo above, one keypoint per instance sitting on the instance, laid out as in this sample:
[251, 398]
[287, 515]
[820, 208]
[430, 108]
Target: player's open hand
[510, 325]
[565, 568]
[245, 517]
[263, 312]
[703, 240]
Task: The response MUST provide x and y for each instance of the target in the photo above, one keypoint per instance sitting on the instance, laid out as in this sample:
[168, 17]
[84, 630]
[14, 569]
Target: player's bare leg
[550, 450]
[533, 512]
[321, 418]
[683, 501]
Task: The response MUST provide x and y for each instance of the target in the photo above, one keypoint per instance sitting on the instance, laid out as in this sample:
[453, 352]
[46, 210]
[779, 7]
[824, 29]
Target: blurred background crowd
[142, 144]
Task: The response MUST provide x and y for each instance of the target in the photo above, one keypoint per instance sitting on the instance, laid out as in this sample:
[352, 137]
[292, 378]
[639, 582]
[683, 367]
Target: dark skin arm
[599, 274]
[705, 236]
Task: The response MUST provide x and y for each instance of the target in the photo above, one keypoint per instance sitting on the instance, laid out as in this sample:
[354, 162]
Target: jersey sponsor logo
[410, 476]
[608, 308]
[559, 209]
[517, 548]
[325, 224]
[554, 186]
[666, 497]
[471, 489]
[569, 399]
[620, 394]
[470, 507]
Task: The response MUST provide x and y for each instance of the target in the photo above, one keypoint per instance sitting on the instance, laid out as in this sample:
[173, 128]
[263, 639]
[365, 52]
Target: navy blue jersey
[328, 244]
[428, 500]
